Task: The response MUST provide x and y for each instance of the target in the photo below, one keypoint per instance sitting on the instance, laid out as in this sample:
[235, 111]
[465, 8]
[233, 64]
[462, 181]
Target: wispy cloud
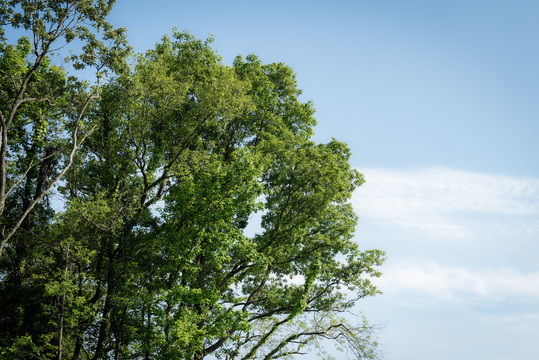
[442, 200]
[458, 283]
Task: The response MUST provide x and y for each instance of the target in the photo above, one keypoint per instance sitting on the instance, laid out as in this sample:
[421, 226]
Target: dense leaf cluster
[161, 173]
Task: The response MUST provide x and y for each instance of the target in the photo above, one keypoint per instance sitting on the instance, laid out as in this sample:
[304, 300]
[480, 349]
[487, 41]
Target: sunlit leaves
[154, 255]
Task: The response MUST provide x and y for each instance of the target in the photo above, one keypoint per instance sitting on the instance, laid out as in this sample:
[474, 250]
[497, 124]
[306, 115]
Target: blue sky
[438, 101]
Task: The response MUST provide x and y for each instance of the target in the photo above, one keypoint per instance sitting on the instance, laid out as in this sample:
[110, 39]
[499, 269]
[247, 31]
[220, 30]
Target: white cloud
[443, 200]
[458, 283]
[494, 218]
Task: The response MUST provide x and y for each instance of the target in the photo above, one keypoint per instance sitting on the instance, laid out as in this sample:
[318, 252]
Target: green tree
[39, 105]
[42, 126]
[152, 257]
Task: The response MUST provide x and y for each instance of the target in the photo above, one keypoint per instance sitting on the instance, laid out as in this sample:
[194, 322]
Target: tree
[153, 258]
[39, 105]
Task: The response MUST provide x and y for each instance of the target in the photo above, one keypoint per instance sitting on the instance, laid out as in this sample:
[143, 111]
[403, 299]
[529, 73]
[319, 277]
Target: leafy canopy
[164, 170]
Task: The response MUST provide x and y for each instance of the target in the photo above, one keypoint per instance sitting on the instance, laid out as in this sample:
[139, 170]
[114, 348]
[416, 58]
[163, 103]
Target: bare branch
[11, 77]
[75, 146]
[30, 167]
[37, 100]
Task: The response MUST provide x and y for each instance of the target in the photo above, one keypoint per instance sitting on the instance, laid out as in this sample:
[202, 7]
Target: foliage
[39, 104]
[153, 256]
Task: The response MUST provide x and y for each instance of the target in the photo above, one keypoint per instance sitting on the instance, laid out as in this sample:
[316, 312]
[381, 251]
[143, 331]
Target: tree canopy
[160, 169]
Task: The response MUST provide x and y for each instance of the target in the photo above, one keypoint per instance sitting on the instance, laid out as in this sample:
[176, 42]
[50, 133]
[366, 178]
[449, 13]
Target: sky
[438, 101]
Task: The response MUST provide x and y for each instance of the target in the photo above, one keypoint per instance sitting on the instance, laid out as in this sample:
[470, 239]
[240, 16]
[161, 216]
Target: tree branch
[21, 178]
[71, 158]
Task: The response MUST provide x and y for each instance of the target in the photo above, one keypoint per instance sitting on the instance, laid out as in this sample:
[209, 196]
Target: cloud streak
[442, 200]
[459, 284]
